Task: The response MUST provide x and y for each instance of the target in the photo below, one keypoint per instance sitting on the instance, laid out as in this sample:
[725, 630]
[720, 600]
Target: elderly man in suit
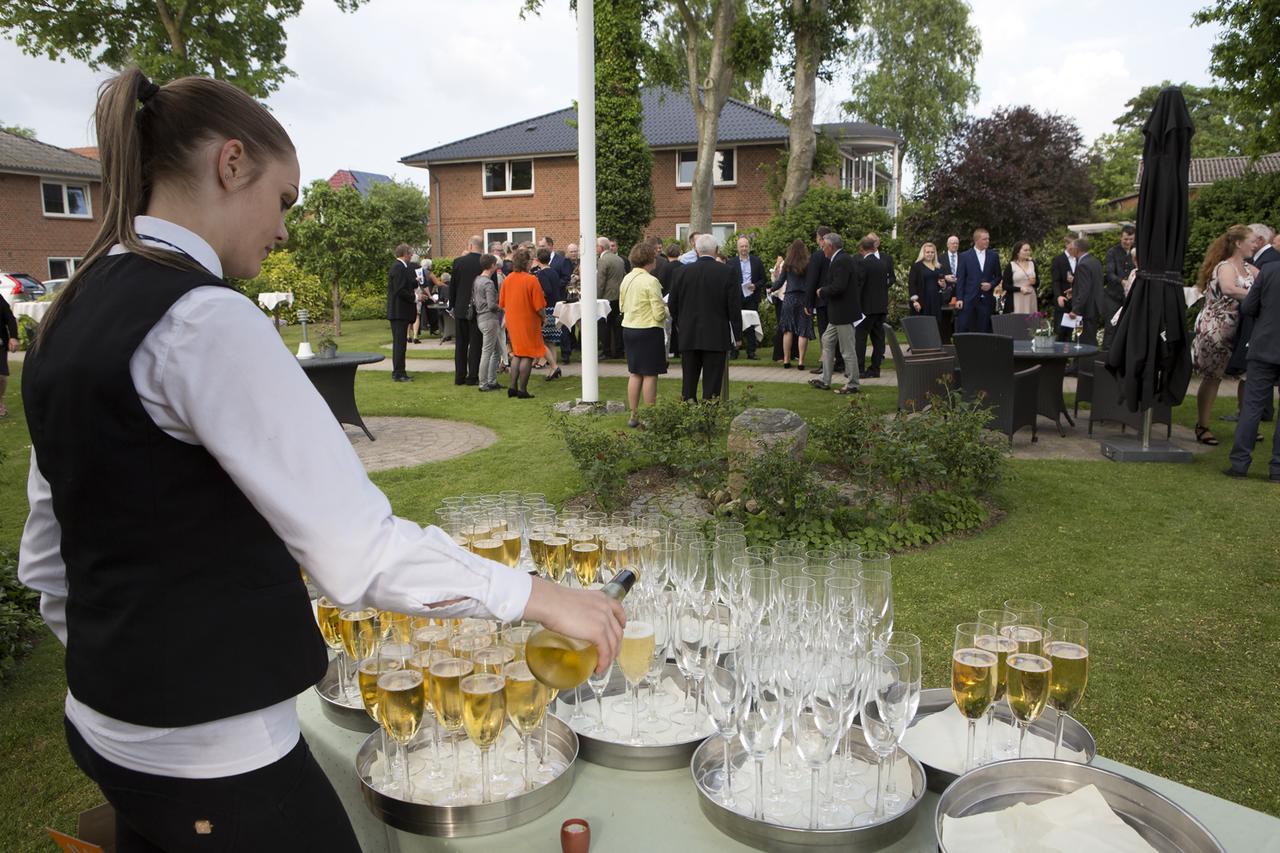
[1062, 272]
[1263, 305]
[813, 277]
[1263, 255]
[1086, 292]
[706, 303]
[401, 309]
[976, 278]
[751, 273]
[950, 262]
[842, 288]
[875, 304]
[609, 274]
[1115, 271]
[467, 340]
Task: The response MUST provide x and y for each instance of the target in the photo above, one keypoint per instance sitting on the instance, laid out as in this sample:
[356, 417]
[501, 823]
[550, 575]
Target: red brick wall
[457, 198]
[28, 238]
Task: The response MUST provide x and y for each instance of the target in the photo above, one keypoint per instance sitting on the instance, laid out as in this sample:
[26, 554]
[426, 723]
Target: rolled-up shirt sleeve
[213, 372]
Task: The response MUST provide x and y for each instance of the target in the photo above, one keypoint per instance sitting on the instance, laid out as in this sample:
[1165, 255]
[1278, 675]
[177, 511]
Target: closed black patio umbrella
[1151, 354]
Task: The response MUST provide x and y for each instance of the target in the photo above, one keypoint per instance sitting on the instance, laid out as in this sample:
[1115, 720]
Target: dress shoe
[873, 374]
[524, 395]
[487, 388]
[1237, 475]
[511, 392]
[864, 374]
[753, 358]
[817, 371]
[819, 384]
[401, 379]
[633, 423]
[473, 381]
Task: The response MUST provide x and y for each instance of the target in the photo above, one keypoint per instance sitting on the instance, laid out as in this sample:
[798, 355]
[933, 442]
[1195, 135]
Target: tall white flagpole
[587, 196]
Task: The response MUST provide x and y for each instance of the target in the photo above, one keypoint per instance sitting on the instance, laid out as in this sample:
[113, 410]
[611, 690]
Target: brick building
[520, 182]
[50, 207]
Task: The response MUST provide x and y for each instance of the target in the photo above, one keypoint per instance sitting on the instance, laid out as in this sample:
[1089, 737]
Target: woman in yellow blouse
[643, 314]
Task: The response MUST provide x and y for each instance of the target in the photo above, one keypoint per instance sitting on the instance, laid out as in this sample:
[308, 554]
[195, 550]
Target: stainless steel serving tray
[351, 717]
[1162, 823]
[470, 820]
[777, 838]
[1074, 734]
[620, 756]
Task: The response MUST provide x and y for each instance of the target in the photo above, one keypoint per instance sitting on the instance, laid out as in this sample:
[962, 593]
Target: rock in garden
[756, 432]
[579, 407]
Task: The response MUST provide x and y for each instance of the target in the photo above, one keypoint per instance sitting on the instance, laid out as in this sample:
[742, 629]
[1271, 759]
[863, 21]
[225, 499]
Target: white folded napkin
[1079, 821]
[939, 740]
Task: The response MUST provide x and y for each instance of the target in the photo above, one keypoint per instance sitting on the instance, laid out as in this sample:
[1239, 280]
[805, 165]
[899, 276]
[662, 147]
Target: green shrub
[19, 615]
[358, 305]
[599, 453]
[1238, 201]
[280, 273]
[440, 266]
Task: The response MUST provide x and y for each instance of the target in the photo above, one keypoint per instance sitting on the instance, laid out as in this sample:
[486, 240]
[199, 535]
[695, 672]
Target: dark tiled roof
[1209, 170]
[854, 130]
[366, 180]
[19, 154]
[668, 121]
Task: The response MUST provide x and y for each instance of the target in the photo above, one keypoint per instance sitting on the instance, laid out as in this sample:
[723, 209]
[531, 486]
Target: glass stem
[435, 745]
[635, 712]
[759, 789]
[386, 757]
[528, 785]
[777, 771]
[991, 715]
[342, 676]
[879, 813]
[600, 706]
[404, 759]
[1057, 736]
[457, 763]
[1022, 736]
[484, 775]
[968, 753]
[813, 799]
[891, 787]
[545, 726]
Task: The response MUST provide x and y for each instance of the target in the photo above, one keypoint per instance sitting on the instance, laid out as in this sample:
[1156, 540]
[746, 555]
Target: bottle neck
[620, 585]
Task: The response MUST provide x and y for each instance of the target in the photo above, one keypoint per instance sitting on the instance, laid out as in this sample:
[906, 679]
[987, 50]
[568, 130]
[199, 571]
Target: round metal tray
[620, 756]
[470, 820]
[1162, 823]
[351, 717]
[1074, 734]
[777, 838]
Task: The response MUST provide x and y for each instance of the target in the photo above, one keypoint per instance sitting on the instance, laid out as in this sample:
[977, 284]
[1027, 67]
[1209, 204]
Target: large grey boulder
[756, 432]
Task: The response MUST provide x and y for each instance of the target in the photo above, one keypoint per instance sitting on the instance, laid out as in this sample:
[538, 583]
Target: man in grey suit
[1086, 295]
[1263, 304]
[609, 274]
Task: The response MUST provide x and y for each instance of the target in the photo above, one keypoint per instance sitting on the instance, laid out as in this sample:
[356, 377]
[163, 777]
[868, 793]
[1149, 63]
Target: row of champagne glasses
[1032, 663]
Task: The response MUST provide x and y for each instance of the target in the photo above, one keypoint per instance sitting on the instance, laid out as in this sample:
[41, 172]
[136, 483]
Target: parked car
[20, 287]
[53, 285]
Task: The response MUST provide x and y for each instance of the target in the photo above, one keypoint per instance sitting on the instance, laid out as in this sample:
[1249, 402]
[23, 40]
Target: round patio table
[335, 379]
[1053, 365]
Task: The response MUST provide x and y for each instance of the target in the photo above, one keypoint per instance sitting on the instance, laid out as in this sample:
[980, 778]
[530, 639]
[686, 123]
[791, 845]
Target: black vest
[183, 606]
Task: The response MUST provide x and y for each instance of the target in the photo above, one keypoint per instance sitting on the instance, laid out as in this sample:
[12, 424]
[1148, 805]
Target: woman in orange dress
[522, 301]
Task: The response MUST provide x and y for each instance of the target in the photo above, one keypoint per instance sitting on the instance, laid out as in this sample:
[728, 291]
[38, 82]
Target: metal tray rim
[344, 716]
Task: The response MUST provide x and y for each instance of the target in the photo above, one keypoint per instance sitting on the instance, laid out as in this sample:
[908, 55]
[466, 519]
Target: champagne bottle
[565, 662]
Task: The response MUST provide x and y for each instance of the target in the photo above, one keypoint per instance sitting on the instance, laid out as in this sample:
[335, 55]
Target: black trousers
[613, 347]
[873, 327]
[399, 343]
[475, 345]
[286, 806]
[1262, 377]
[707, 363]
[1060, 334]
[467, 342]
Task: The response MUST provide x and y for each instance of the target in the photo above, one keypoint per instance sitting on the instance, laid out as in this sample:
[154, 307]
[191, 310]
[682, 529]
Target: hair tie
[147, 91]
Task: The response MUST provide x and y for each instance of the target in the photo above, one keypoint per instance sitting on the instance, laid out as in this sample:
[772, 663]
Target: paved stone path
[405, 442]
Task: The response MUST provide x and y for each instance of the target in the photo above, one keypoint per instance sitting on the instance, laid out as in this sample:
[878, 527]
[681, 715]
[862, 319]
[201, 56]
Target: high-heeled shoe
[524, 395]
[1204, 436]
[555, 374]
[511, 392]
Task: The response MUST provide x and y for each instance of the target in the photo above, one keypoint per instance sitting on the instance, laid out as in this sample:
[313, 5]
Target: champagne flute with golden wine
[483, 714]
[401, 704]
[447, 702]
[1002, 646]
[973, 679]
[526, 702]
[331, 630]
[1068, 650]
[1028, 690]
[358, 631]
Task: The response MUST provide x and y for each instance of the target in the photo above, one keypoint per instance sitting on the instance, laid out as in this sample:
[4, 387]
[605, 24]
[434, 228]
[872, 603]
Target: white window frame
[508, 232]
[533, 177]
[718, 182]
[71, 263]
[62, 182]
[682, 231]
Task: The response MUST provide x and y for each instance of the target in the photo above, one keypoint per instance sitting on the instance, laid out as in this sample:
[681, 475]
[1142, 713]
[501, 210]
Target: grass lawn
[1174, 567]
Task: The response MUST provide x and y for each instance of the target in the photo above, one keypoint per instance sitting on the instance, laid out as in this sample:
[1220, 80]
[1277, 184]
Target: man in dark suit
[976, 278]
[813, 278]
[1062, 271]
[562, 266]
[1115, 272]
[750, 270]
[660, 262]
[842, 288]
[1263, 255]
[1086, 292]
[466, 331]
[401, 309]
[706, 302]
[1263, 305]
[875, 304]
[667, 269]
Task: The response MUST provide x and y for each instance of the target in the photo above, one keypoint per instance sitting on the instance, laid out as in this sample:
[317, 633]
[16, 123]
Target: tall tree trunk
[810, 16]
[707, 94]
[173, 21]
[336, 294]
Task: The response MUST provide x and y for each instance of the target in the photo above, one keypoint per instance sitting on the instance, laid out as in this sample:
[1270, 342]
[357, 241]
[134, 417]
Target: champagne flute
[763, 716]
[1026, 631]
[330, 629]
[526, 701]
[816, 729]
[724, 701]
[422, 661]
[557, 557]
[877, 602]
[586, 562]
[1002, 645]
[911, 674]
[400, 708]
[884, 714]
[634, 658]
[973, 679]
[1068, 652]
[447, 702]
[689, 637]
[760, 588]
[483, 713]
[368, 672]
[1028, 690]
[515, 637]
[660, 616]
[598, 682]
[357, 629]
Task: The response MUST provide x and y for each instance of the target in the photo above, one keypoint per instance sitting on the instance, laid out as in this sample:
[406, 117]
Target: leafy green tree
[1252, 198]
[406, 209]
[339, 237]
[624, 163]
[850, 216]
[1244, 58]
[240, 41]
[18, 130]
[916, 61]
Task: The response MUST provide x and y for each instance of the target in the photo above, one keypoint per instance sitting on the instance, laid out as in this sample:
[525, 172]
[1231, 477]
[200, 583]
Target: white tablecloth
[271, 300]
[34, 310]
[751, 320]
[569, 313]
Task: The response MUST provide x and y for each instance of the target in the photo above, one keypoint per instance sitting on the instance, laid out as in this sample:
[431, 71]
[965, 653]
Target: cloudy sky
[399, 76]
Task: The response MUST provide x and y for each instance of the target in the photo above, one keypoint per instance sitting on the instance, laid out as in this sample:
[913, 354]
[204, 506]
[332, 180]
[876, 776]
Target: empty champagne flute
[724, 702]
[884, 714]
[973, 679]
[660, 616]
[483, 714]
[877, 602]
[690, 638]
[1028, 690]
[911, 675]
[816, 729]
[1068, 652]
[764, 713]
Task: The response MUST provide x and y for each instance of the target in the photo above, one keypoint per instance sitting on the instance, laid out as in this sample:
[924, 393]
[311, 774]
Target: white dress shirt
[981, 255]
[1071, 260]
[212, 365]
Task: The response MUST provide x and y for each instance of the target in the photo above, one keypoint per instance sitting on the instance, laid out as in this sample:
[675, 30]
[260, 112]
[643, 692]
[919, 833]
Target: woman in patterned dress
[1225, 281]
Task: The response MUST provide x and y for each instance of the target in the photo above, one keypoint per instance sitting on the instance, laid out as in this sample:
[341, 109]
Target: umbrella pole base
[1126, 449]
